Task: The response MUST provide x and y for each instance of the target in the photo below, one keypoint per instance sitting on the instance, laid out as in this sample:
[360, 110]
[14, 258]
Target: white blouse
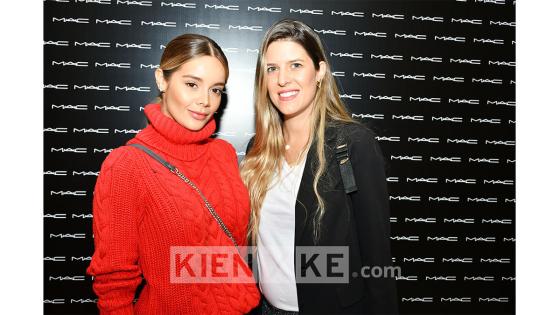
[275, 242]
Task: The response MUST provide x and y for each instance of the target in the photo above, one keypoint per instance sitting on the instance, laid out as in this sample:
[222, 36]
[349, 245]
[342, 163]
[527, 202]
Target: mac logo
[133, 88]
[254, 28]
[487, 200]
[460, 181]
[139, 3]
[122, 65]
[70, 63]
[67, 278]
[55, 173]
[405, 198]
[493, 1]
[469, 61]
[139, 46]
[73, 107]
[448, 199]
[71, 20]
[115, 108]
[90, 1]
[418, 140]
[333, 32]
[84, 173]
[81, 258]
[508, 278]
[428, 18]
[127, 131]
[457, 260]
[178, 4]
[393, 98]
[506, 103]
[391, 57]
[441, 278]
[492, 81]
[409, 77]
[371, 116]
[494, 299]
[499, 142]
[450, 119]
[485, 160]
[459, 220]
[487, 120]
[376, 34]
[425, 99]
[407, 278]
[410, 36]
[82, 216]
[82, 301]
[419, 259]
[56, 130]
[456, 299]
[305, 11]
[91, 130]
[429, 180]
[488, 41]
[450, 38]
[55, 258]
[369, 75]
[463, 101]
[157, 23]
[500, 182]
[454, 159]
[478, 278]
[480, 239]
[95, 150]
[418, 299]
[71, 150]
[351, 96]
[91, 87]
[468, 21]
[60, 235]
[501, 63]
[55, 216]
[119, 22]
[222, 7]
[350, 55]
[463, 141]
[417, 158]
[93, 44]
[407, 117]
[500, 23]
[388, 16]
[392, 139]
[259, 9]
[427, 59]
[352, 14]
[452, 79]
[496, 221]
[56, 43]
[421, 220]
[148, 66]
[54, 301]
[56, 86]
[68, 193]
[405, 238]
[208, 26]
[442, 238]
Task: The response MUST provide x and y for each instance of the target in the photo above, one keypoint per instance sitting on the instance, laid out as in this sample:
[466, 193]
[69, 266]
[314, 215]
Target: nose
[203, 99]
[283, 77]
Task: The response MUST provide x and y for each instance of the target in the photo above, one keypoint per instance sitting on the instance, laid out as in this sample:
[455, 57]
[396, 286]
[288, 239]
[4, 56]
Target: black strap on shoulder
[346, 171]
[155, 156]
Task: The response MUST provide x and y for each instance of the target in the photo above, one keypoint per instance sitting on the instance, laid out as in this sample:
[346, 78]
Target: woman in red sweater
[142, 210]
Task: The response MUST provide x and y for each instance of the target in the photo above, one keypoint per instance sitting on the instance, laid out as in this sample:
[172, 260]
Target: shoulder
[221, 149]
[353, 132]
[121, 157]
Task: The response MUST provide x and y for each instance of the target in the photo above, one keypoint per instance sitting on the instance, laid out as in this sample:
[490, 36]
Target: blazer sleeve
[371, 210]
[114, 264]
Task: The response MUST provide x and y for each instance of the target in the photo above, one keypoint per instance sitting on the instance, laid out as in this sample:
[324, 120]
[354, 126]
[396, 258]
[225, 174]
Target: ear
[321, 71]
[160, 80]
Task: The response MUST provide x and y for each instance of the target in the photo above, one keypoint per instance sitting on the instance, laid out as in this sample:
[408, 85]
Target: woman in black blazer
[316, 180]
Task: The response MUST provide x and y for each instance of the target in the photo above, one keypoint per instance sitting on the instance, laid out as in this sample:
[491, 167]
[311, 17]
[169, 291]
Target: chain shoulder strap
[177, 172]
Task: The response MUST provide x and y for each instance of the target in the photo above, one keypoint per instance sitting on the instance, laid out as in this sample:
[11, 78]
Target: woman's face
[291, 78]
[193, 93]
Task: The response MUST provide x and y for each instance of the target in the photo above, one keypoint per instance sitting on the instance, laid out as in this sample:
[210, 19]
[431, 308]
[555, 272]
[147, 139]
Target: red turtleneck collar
[166, 135]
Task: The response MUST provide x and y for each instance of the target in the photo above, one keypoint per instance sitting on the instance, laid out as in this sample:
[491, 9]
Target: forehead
[285, 50]
[208, 68]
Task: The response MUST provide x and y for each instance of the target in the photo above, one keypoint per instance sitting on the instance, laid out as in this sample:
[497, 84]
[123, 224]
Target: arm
[371, 210]
[114, 263]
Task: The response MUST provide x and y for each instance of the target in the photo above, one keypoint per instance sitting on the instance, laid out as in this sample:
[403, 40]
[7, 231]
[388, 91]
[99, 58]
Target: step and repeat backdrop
[434, 79]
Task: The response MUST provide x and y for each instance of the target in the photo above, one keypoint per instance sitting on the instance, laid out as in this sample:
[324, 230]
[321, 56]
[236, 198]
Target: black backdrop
[434, 79]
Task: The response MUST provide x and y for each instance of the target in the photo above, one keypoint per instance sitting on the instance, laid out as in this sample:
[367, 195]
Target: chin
[194, 125]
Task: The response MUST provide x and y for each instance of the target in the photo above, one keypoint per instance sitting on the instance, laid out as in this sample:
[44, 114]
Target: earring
[318, 84]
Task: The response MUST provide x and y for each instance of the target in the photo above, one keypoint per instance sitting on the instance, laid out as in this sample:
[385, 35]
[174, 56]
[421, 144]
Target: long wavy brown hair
[264, 158]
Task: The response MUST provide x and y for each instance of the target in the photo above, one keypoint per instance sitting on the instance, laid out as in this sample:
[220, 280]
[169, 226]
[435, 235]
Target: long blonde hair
[265, 156]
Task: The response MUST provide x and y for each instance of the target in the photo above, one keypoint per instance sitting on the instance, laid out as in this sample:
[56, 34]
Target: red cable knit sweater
[140, 210]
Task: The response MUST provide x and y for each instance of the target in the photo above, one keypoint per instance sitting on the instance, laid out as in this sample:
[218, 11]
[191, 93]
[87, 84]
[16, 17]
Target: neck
[296, 130]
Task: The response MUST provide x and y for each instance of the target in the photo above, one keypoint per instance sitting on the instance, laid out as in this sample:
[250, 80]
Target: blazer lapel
[306, 203]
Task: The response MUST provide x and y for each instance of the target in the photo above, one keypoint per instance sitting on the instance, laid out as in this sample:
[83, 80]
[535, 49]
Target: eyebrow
[294, 60]
[200, 79]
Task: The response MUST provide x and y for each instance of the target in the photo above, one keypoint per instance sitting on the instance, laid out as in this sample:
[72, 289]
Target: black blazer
[359, 220]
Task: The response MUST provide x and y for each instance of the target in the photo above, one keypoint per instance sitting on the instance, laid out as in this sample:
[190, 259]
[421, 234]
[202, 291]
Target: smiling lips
[288, 95]
[197, 115]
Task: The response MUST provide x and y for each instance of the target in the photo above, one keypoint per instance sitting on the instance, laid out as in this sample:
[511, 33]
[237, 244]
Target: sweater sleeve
[114, 263]
[371, 209]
